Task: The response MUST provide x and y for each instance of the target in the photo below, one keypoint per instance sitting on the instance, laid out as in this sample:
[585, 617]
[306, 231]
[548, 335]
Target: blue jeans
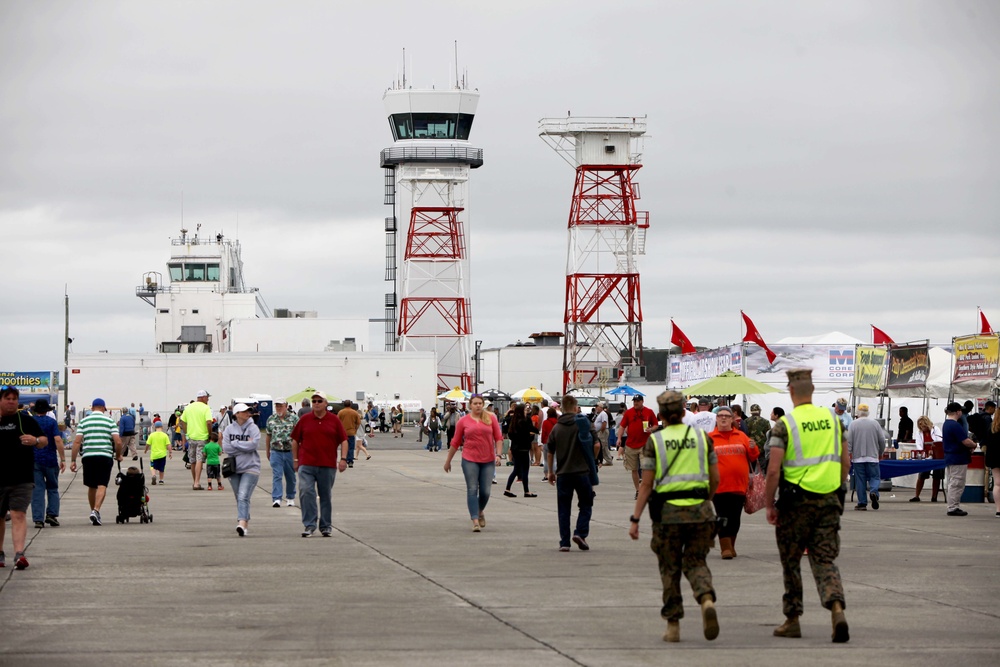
[350, 449]
[565, 486]
[315, 480]
[478, 483]
[243, 484]
[46, 484]
[433, 441]
[281, 467]
[866, 480]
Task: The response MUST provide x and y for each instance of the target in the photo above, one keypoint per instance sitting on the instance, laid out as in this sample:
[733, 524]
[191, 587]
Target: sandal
[198, 488]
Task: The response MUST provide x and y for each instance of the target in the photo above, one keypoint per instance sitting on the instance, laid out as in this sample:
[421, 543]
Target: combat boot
[790, 628]
[673, 633]
[840, 630]
[726, 545]
[709, 618]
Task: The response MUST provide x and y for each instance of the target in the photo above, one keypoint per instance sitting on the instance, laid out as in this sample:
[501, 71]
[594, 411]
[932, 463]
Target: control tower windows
[194, 272]
[427, 125]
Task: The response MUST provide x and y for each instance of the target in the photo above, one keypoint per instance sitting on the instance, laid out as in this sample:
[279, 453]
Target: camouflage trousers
[814, 524]
[682, 547]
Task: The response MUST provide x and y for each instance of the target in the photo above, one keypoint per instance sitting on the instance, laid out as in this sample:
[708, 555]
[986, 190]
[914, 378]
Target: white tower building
[426, 183]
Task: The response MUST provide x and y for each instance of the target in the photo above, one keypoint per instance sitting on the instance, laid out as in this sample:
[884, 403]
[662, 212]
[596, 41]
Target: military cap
[670, 399]
[755, 409]
[799, 374]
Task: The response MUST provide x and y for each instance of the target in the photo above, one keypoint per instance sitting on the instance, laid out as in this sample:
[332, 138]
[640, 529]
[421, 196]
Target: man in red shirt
[317, 439]
[637, 423]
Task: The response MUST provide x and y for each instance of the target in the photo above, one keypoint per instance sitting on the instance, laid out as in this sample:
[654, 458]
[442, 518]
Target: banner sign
[909, 366]
[830, 364]
[688, 369]
[977, 357]
[32, 385]
[869, 367]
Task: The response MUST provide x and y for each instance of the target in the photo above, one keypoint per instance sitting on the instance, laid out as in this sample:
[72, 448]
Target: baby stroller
[133, 498]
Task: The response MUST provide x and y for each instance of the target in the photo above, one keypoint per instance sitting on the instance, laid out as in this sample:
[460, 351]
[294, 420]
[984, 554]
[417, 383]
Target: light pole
[479, 345]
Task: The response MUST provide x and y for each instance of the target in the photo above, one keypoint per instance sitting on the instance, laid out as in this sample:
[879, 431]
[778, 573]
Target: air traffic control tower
[427, 245]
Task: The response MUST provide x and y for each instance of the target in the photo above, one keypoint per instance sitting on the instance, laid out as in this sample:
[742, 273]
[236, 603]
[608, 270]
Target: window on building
[170, 348]
[194, 272]
[434, 125]
[164, 311]
[213, 273]
[176, 272]
[464, 125]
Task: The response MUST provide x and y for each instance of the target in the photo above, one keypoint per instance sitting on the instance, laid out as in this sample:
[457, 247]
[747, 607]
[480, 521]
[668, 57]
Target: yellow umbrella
[531, 395]
[456, 394]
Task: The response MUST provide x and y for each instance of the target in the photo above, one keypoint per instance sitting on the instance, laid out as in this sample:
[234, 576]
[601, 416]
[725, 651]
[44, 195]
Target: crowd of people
[692, 464]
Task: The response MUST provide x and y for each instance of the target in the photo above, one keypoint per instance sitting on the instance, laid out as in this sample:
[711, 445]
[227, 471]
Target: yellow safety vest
[812, 457]
[681, 464]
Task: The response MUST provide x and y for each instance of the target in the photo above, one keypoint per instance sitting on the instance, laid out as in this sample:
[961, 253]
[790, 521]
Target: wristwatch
[632, 519]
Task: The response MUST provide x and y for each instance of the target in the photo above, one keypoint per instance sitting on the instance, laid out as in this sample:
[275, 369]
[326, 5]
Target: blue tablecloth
[888, 468]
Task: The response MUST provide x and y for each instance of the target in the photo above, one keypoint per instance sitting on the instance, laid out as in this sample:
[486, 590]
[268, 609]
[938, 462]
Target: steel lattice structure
[603, 311]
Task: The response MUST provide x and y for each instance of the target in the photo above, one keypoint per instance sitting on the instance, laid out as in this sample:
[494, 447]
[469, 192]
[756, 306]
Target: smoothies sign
[30, 384]
[976, 357]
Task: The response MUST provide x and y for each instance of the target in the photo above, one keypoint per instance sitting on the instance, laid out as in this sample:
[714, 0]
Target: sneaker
[308, 532]
[861, 508]
[350, 464]
[957, 512]
[240, 530]
[915, 499]
[581, 542]
[210, 486]
[20, 562]
[289, 503]
[95, 518]
[135, 458]
[327, 533]
[39, 524]
[874, 499]
[3, 560]
[563, 548]
[276, 503]
[51, 520]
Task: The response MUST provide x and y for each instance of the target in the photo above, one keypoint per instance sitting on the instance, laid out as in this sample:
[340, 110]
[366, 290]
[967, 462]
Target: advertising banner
[32, 385]
[977, 357]
[870, 368]
[909, 366]
[685, 370]
[830, 364]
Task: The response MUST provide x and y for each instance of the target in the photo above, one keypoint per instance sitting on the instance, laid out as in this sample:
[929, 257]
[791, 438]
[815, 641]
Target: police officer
[684, 477]
[809, 465]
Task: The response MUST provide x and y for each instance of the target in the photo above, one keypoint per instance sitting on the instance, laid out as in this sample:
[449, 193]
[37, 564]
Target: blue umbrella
[625, 390]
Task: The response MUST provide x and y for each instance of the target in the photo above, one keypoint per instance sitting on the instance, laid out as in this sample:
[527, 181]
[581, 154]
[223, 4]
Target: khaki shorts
[632, 458]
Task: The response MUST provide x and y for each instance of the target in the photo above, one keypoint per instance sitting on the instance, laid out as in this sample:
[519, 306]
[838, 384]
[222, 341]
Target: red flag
[985, 327]
[753, 336]
[678, 338]
[880, 337]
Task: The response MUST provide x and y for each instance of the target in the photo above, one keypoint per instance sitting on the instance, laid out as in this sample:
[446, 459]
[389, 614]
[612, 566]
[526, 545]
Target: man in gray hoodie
[567, 442]
[866, 442]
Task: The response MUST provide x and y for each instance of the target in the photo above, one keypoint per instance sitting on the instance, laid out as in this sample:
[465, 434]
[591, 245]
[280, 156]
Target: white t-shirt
[601, 419]
[704, 420]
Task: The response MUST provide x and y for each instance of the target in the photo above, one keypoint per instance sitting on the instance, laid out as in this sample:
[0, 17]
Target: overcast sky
[821, 165]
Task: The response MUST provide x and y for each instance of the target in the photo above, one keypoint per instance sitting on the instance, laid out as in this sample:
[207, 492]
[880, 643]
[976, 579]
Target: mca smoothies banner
[869, 368]
[830, 364]
[687, 369]
[31, 384]
[976, 358]
[909, 367]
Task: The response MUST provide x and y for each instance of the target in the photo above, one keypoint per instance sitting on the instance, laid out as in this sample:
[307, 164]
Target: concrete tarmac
[404, 581]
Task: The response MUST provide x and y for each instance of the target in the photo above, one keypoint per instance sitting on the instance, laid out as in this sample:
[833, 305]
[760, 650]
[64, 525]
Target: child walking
[158, 448]
[212, 451]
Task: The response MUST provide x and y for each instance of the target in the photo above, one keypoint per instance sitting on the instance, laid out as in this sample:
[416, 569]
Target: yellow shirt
[197, 415]
[158, 442]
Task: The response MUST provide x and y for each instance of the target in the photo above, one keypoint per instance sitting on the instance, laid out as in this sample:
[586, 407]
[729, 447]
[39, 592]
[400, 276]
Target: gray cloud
[821, 165]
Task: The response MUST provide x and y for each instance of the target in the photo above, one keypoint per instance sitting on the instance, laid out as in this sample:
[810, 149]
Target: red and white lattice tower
[603, 314]
[426, 183]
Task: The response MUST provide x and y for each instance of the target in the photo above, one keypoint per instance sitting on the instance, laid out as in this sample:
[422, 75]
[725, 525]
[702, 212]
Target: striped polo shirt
[97, 428]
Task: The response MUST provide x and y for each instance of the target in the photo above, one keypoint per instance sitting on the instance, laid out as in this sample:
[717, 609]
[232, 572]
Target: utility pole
[66, 354]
